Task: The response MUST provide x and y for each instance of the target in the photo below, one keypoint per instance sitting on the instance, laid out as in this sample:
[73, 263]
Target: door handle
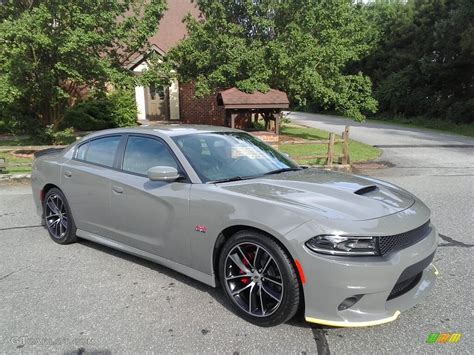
[67, 174]
[117, 189]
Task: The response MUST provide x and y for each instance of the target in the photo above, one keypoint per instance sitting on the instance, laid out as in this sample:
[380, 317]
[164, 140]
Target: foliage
[424, 62]
[65, 136]
[300, 47]
[116, 109]
[53, 50]
[90, 115]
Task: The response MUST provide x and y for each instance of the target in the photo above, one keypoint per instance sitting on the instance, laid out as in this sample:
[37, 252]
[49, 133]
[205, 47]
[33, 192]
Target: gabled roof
[234, 98]
[171, 28]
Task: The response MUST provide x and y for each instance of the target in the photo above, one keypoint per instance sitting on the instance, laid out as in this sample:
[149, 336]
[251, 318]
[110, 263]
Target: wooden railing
[330, 157]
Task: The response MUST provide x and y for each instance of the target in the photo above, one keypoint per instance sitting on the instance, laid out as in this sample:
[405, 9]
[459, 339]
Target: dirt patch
[23, 153]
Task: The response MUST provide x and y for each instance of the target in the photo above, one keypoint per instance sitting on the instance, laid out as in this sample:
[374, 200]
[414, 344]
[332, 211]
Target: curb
[13, 178]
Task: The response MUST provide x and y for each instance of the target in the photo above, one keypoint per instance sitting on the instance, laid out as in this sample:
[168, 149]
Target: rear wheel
[259, 279]
[58, 217]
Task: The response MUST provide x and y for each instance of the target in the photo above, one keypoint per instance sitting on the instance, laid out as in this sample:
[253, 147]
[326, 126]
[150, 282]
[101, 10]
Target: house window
[160, 91]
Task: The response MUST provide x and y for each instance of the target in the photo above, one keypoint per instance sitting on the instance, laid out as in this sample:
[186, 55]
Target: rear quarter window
[99, 151]
[82, 151]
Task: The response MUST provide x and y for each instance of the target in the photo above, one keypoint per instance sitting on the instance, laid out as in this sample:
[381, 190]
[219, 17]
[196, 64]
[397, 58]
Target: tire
[58, 217]
[266, 272]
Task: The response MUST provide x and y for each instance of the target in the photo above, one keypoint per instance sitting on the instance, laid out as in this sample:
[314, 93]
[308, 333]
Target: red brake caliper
[244, 280]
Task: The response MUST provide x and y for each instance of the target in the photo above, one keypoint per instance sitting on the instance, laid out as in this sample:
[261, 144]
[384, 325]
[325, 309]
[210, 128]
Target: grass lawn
[11, 159]
[359, 152]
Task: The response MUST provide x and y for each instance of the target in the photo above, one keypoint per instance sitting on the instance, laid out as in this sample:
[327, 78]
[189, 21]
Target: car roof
[170, 130]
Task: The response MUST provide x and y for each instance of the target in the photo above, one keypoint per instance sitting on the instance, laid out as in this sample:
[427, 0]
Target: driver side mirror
[163, 173]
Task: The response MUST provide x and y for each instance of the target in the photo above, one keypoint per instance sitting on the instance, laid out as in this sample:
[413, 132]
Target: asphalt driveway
[438, 168]
[86, 297]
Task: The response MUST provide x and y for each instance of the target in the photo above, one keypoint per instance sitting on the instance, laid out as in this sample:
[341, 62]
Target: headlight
[341, 245]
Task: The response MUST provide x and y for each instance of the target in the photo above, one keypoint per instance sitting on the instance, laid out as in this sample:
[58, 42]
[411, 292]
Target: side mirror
[163, 173]
[286, 155]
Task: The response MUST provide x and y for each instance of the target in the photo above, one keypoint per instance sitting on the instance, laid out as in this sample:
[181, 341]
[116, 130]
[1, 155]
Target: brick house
[175, 102]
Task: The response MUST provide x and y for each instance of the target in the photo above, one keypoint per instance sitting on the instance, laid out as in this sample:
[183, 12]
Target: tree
[423, 64]
[51, 50]
[301, 47]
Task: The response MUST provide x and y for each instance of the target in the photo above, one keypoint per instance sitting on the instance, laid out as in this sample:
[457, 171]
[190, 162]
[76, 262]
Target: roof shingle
[234, 98]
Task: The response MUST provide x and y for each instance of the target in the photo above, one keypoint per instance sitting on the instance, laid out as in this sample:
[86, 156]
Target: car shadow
[216, 293]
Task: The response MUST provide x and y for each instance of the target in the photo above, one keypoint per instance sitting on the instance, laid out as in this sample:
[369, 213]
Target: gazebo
[239, 105]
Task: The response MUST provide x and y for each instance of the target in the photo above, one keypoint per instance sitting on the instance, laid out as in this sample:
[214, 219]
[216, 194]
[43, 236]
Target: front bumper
[332, 279]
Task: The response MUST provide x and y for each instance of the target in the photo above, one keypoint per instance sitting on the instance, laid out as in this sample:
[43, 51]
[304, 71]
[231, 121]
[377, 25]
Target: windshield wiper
[238, 178]
[235, 178]
[283, 170]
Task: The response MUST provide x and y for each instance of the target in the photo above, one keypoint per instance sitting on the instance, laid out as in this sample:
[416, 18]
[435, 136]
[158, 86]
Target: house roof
[171, 28]
[234, 98]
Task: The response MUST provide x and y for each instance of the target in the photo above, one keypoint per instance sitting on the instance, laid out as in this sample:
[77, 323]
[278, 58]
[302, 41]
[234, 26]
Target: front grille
[403, 287]
[387, 244]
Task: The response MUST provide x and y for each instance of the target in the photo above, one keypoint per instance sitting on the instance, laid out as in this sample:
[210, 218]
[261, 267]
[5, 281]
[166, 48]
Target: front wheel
[259, 279]
[58, 217]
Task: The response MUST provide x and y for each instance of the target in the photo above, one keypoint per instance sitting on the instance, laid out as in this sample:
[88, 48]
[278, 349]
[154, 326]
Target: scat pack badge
[200, 229]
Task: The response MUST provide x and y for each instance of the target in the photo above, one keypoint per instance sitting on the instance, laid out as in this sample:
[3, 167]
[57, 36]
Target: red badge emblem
[201, 229]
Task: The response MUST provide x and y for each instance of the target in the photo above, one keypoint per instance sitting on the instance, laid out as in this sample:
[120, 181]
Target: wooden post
[3, 165]
[330, 159]
[277, 123]
[345, 146]
[232, 119]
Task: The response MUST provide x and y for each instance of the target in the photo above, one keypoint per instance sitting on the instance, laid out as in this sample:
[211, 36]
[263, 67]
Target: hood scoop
[366, 190]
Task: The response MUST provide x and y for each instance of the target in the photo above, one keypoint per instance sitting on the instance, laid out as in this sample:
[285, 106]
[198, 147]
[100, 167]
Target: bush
[88, 116]
[117, 109]
[461, 112]
[15, 122]
[123, 109]
[49, 135]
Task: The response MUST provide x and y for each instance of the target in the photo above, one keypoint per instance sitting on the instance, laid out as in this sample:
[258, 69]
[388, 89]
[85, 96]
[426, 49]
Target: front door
[157, 103]
[150, 215]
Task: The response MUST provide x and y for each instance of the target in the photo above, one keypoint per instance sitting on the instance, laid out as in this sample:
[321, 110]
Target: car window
[217, 156]
[82, 151]
[144, 153]
[101, 151]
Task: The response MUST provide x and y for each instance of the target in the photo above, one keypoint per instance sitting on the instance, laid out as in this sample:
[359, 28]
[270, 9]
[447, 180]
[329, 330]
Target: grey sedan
[221, 206]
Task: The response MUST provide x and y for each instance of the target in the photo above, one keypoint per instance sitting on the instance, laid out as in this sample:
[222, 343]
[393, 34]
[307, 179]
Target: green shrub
[117, 109]
[462, 112]
[15, 122]
[49, 135]
[123, 109]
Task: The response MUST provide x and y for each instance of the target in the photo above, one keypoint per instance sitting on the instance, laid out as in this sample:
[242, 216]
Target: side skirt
[200, 276]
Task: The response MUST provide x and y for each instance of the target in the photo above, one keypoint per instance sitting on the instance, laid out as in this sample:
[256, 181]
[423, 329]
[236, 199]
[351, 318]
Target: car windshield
[220, 157]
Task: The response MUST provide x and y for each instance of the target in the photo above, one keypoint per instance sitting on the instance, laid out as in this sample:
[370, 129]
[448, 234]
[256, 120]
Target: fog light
[349, 302]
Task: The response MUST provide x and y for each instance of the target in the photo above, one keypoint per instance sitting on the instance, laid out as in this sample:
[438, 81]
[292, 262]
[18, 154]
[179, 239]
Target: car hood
[329, 194]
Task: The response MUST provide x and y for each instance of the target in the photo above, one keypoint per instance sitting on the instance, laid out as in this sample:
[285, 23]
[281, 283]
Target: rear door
[150, 215]
[86, 184]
